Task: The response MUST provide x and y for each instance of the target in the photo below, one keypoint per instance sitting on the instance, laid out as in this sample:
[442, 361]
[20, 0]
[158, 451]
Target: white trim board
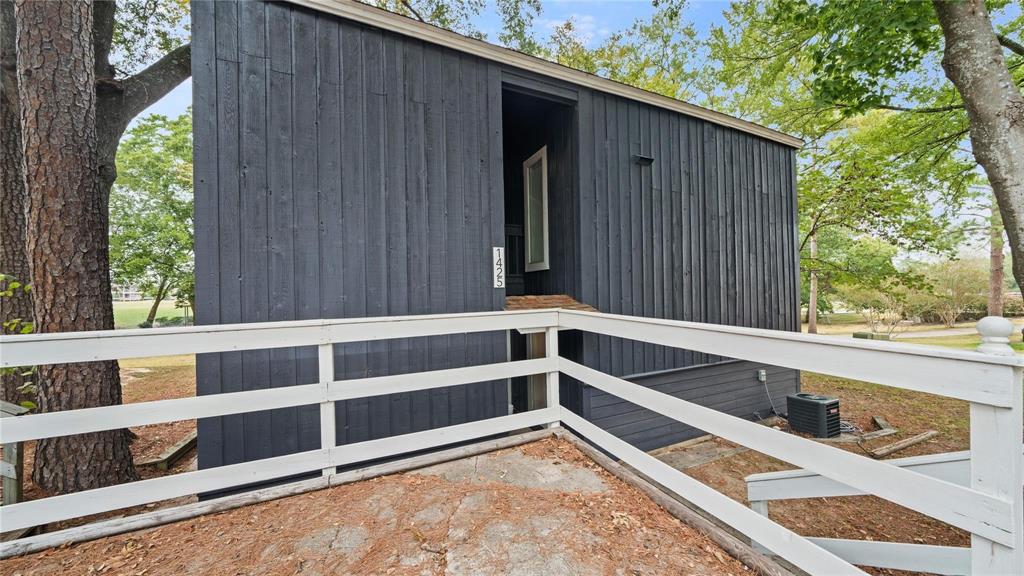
[389, 21]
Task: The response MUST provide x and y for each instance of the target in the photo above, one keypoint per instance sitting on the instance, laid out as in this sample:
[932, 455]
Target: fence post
[761, 507]
[551, 351]
[996, 461]
[328, 434]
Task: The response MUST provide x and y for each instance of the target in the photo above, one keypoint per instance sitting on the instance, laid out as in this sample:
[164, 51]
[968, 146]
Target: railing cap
[995, 336]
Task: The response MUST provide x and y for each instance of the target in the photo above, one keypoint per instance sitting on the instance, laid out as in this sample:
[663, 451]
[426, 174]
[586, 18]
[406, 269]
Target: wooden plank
[998, 471]
[284, 424]
[436, 198]
[956, 374]
[965, 508]
[67, 347]
[67, 506]
[782, 541]
[53, 424]
[354, 230]
[417, 206]
[899, 556]
[953, 467]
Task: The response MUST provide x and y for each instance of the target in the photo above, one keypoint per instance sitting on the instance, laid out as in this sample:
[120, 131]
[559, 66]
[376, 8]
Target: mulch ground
[142, 380]
[414, 523]
[861, 517]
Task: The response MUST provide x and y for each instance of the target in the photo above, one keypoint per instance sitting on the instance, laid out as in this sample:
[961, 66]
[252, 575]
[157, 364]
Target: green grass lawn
[964, 341]
[131, 314]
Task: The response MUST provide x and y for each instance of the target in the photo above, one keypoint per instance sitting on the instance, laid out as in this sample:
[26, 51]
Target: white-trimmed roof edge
[379, 18]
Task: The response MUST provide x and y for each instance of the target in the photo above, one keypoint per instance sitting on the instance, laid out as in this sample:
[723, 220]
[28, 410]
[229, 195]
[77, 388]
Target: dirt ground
[543, 508]
[862, 517]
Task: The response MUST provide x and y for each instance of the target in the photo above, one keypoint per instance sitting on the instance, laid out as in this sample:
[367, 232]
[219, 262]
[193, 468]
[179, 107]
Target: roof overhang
[376, 17]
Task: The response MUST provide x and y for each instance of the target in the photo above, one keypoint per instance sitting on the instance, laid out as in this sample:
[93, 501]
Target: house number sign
[499, 267]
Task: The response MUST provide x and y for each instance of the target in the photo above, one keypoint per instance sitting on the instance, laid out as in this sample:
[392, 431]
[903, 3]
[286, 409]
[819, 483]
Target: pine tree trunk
[812, 299]
[996, 276]
[974, 62]
[67, 234]
[13, 260]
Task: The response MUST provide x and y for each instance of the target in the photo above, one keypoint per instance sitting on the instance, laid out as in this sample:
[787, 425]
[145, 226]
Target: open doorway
[539, 176]
[539, 132]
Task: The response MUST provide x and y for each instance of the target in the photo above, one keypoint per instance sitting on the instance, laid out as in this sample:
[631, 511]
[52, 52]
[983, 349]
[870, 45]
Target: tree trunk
[995, 261]
[13, 260]
[812, 298]
[974, 62]
[67, 234]
[161, 291]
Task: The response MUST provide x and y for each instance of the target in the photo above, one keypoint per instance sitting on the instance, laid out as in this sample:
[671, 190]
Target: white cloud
[587, 26]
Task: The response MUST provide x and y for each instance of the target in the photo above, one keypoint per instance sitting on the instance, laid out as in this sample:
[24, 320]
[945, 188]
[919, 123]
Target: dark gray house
[350, 162]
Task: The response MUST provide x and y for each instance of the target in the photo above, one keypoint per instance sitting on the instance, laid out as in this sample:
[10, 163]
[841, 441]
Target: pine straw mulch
[413, 524]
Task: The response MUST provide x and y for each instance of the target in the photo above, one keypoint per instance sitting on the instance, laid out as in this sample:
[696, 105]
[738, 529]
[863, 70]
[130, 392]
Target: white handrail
[991, 506]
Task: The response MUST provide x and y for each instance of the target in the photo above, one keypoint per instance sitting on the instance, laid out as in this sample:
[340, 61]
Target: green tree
[837, 60]
[952, 288]
[151, 227]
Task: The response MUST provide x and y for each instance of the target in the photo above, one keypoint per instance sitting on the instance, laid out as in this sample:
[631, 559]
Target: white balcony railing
[990, 506]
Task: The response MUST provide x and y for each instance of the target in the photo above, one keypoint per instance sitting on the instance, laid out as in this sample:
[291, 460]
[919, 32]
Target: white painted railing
[989, 507]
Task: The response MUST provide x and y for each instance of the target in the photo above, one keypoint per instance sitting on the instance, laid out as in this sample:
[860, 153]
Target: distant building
[125, 292]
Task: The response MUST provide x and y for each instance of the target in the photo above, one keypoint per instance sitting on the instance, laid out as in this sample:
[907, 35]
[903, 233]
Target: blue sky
[595, 19]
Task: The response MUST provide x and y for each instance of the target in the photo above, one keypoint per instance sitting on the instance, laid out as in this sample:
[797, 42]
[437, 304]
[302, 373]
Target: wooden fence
[990, 505]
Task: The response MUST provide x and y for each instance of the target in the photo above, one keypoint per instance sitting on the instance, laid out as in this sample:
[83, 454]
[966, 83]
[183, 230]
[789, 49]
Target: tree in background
[83, 71]
[151, 227]
[862, 56]
[953, 287]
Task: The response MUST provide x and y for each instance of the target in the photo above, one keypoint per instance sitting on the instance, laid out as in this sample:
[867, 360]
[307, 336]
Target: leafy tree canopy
[151, 227]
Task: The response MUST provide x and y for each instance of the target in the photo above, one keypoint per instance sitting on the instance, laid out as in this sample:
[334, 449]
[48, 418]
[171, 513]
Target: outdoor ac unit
[813, 414]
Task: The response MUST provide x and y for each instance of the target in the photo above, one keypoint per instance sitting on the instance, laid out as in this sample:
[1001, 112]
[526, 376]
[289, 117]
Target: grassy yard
[964, 341]
[131, 314]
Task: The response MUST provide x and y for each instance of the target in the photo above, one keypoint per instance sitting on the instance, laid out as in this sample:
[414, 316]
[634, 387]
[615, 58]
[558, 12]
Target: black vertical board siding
[284, 423]
[322, 180]
[686, 238]
[416, 206]
[345, 171]
[375, 170]
[395, 199]
[204, 125]
[306, 206]
[455, 212]
[437, 226]
[253, 212]
[228, 137]
[353, 221]
[495, 183]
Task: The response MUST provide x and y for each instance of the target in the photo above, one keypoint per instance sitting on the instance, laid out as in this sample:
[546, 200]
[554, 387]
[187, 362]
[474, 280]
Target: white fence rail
[988, 504]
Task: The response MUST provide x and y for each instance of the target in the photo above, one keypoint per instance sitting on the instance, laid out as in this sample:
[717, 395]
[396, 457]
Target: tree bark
[13, 260]
[812, 298]
[66, 234]
[996, 276]
[974, 62]
[161, 291]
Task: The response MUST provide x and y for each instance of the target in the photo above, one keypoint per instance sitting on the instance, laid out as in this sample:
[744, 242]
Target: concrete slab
[697, 454]
[518, 469]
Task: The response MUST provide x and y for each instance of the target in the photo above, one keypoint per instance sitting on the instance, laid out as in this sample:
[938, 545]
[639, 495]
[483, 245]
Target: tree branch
[1010, 44]
[153, 83]
[103, 17]
[408, 6]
